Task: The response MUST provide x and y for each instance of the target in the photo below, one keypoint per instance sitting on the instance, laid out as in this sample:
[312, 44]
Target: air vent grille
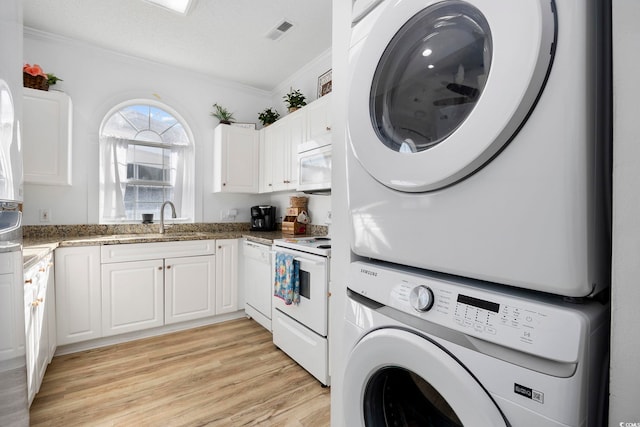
[279, 30]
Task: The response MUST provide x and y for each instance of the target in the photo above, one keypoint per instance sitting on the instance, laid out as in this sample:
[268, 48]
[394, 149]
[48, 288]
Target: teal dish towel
[287, 279]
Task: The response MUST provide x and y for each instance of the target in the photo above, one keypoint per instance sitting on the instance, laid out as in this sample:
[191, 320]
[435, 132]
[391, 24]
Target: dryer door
[437, 88]
[396, 377]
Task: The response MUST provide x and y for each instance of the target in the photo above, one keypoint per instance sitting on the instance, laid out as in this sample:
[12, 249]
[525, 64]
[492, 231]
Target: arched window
[146, 158]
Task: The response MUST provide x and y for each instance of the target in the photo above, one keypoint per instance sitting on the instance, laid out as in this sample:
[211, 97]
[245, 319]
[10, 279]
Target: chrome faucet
[173, 214]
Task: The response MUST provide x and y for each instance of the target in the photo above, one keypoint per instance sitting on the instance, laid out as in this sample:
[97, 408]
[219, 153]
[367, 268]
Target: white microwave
[314, 161]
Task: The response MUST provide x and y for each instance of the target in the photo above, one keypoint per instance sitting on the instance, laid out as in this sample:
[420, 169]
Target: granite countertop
[39, 242]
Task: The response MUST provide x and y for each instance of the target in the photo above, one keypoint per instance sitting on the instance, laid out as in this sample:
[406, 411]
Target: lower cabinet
[189, 288]
[132, 296]
[114, 289]
[39, 304]
[226, 276]
[78, 294]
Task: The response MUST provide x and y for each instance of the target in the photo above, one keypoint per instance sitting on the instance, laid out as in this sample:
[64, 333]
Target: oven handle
[308, 260]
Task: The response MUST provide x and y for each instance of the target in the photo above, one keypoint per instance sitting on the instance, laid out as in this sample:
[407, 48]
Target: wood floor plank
[227, 374]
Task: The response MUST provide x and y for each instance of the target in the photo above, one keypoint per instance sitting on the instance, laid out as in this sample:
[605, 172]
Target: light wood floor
[229, 374]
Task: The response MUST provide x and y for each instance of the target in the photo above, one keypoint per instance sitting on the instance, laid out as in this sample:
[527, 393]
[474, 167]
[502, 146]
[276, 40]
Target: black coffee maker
[263, 218]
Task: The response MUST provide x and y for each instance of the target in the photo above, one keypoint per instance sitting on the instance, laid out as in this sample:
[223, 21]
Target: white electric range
[301, 330]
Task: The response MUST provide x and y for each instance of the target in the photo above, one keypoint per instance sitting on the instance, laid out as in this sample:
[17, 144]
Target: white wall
[304, 79]
[625, 341]
[97, 79]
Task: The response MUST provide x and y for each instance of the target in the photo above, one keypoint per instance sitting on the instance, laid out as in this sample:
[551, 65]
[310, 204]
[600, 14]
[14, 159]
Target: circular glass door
[430, 76]
[437, 88]
[395, 377]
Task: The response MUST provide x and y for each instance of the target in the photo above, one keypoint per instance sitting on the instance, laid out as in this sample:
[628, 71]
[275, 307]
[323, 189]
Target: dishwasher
[258, 282]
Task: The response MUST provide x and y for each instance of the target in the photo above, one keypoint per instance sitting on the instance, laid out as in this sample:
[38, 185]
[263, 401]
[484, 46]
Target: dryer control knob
[421, 298]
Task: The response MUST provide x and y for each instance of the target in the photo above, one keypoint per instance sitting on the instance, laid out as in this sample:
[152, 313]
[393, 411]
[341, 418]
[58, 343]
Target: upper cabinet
[318, 118]
[280, 141]
[236, 161]
[46, 135]
[281, 149]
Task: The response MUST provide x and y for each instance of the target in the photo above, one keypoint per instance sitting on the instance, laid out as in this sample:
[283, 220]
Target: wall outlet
[328, 219]
[45, 215]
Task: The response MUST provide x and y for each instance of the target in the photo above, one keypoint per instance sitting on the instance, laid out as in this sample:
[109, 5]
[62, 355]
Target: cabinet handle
[224, 184]
[270, 185]
[26, 282]
[219, 247]
[168, 267]
[328, 128]
[159, 268]
[42, 269]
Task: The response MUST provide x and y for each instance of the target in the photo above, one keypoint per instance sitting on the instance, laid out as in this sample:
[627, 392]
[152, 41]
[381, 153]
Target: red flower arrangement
[34, 70]
[34, 77]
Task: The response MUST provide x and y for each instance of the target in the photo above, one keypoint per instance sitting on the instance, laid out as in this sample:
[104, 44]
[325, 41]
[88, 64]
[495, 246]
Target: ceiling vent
[279, 30]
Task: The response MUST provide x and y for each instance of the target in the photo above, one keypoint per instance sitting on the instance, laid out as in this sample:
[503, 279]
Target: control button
[467, 323]
[478, 327]
[421, 298]
[459, 321]
[490, 330]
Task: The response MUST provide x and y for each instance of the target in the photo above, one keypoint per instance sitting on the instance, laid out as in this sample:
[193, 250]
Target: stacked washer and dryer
[478, 175]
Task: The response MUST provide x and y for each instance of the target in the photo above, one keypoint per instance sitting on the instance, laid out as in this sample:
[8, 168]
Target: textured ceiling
[222, 38]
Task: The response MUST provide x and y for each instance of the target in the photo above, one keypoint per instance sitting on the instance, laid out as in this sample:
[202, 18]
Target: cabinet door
[189, 288]
[296, 136]
[50, 308]
[266, 162]
[277, 143]
[226, 276]
[132, 296]
[77, 277]
[318, 117]
[30, 323]
[236, 160]
[46, 131]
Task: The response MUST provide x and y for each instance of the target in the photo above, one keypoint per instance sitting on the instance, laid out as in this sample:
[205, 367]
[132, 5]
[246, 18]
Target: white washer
[469, 354]
[477, 141]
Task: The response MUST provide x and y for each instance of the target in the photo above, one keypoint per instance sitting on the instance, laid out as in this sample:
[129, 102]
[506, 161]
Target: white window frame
[185, 209]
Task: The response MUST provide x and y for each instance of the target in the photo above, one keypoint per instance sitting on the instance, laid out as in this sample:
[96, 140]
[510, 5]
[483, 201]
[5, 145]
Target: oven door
[314, 277]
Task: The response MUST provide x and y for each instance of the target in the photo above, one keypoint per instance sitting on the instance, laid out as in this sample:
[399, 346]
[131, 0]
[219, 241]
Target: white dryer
[478, 139]
[423, 350]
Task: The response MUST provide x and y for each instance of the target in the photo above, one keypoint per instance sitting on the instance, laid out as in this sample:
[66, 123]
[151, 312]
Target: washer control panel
[498, 314]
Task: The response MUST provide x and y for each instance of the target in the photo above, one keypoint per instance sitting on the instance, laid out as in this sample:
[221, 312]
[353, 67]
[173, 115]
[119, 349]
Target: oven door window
[305, 284]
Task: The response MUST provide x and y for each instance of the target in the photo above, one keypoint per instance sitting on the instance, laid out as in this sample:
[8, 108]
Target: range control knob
[421, 298]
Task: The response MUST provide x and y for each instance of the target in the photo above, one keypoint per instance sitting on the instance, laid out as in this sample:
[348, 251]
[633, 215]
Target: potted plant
[268, 116]
[294, 100]
[222, 114]
[53, 79]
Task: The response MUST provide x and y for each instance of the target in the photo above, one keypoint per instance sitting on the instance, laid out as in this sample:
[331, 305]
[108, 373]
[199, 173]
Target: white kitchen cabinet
[46, 137]
[189, 288]
[132, 296]
[226, 276]
[78, 294]
[38, 305]
[50, 308]
[266, 162]
[281, 144]
[170, 282]
[318, 118]
[236, 159]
